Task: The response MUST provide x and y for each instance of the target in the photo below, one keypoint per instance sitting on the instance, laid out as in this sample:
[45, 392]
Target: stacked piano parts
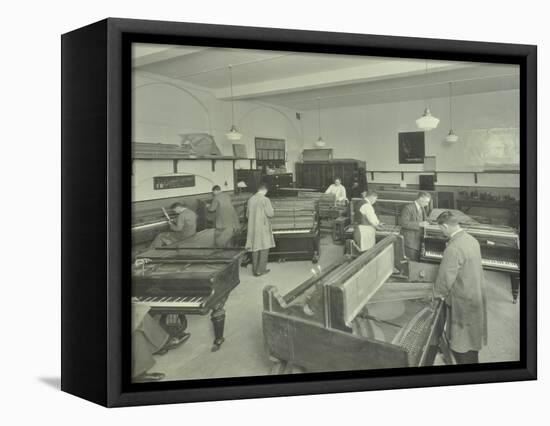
[361, 312]
[499, 248]
[188, 277]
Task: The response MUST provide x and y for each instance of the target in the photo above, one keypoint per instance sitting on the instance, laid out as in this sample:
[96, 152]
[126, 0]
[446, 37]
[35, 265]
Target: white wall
[164, 108]
[370, 133]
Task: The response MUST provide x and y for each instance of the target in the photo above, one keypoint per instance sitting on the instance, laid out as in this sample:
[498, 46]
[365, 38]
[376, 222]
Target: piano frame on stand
[324, 324]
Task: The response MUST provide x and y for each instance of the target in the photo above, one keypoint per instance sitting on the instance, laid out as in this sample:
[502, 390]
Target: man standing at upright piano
[412, 219]
[460, 281]
[226, 218]
[259, 238]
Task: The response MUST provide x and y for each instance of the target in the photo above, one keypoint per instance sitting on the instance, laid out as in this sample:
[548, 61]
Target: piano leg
[218, 321]
[514, 284]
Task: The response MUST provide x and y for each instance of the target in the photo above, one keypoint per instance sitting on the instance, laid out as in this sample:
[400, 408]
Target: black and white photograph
[300, 212]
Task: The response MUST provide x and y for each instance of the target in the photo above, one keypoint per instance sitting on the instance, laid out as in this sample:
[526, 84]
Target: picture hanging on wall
[411, 148]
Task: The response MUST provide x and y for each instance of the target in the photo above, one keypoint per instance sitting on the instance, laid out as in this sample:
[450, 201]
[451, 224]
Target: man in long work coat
[460, 281]
[226, 218]
[412, 219]
[259, 238]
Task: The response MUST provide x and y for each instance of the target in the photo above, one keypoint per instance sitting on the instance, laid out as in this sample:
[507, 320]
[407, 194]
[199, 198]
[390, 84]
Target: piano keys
[188, 277]
[499, 245]
[348, 305]
[499, 249]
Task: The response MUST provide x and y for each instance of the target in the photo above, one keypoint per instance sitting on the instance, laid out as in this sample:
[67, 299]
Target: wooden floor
[243, 353]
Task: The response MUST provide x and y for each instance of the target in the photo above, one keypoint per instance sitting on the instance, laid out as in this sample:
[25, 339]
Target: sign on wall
[411, 147]
[171, 182]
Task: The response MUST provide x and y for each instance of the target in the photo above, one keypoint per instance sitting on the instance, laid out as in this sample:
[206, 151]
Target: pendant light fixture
[233, 134]
[451, 137]
[427, 121]
[320, 142]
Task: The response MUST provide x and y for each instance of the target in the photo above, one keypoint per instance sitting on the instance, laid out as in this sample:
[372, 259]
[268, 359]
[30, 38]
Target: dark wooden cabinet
[320, 174]
[277, 181]
[252, 178]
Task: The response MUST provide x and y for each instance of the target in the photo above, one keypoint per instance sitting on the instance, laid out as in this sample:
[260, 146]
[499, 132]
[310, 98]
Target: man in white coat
[259, 238]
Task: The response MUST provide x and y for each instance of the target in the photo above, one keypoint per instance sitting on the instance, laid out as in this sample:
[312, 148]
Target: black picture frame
[96, 170]
[411, 147]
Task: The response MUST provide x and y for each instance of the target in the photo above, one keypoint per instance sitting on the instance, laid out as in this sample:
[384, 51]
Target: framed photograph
[411, 148]
[337, 274]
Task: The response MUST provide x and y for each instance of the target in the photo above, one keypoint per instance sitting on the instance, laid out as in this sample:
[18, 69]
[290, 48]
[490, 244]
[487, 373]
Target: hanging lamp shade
[233, 134]
[451, 137]
[427, 121]
[320, 142]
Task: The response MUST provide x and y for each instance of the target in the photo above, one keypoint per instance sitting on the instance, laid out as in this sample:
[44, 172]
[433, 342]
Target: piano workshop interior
[298, 212]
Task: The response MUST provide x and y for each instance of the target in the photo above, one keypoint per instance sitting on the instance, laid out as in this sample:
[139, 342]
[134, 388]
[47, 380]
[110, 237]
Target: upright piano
[188, 277]
[295, 227]
[499, 248]
[376, 310]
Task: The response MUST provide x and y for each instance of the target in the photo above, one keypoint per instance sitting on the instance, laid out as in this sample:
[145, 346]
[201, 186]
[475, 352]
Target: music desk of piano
[376, 310]
[188, 277]
[499, 249]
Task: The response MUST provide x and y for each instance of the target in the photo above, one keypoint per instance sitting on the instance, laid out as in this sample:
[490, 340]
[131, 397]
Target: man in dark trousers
[184, 226]
[226, 218]
[259, 238]
[460, 282]
[413, 218]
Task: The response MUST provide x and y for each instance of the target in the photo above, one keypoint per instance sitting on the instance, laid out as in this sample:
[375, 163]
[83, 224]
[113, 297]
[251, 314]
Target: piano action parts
[188, 277]
[361, 312]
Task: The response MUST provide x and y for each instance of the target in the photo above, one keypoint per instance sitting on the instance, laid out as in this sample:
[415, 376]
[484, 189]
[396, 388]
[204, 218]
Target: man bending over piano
[184, 226]
[226, 218]
[460, 282]
[412, 218]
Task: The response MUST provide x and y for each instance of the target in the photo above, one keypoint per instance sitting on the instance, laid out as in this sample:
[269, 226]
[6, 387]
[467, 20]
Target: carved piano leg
[514, 284]
[218, 321]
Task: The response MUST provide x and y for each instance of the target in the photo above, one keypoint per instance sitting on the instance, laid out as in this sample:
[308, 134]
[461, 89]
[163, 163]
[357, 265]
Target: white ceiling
[303, 80]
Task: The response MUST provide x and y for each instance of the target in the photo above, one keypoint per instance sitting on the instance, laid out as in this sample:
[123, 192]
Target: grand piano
[371, 311]
[499, 246]
[188, 277]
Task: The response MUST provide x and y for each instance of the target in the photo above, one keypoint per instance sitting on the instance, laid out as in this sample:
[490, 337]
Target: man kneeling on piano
[150, 338]
[460, 282]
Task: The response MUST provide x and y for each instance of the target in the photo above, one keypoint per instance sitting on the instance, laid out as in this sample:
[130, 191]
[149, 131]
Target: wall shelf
[435, 173]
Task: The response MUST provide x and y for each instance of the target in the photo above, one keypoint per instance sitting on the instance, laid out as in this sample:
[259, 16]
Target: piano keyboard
[172, 302]
[291, 231]
[484, 262]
